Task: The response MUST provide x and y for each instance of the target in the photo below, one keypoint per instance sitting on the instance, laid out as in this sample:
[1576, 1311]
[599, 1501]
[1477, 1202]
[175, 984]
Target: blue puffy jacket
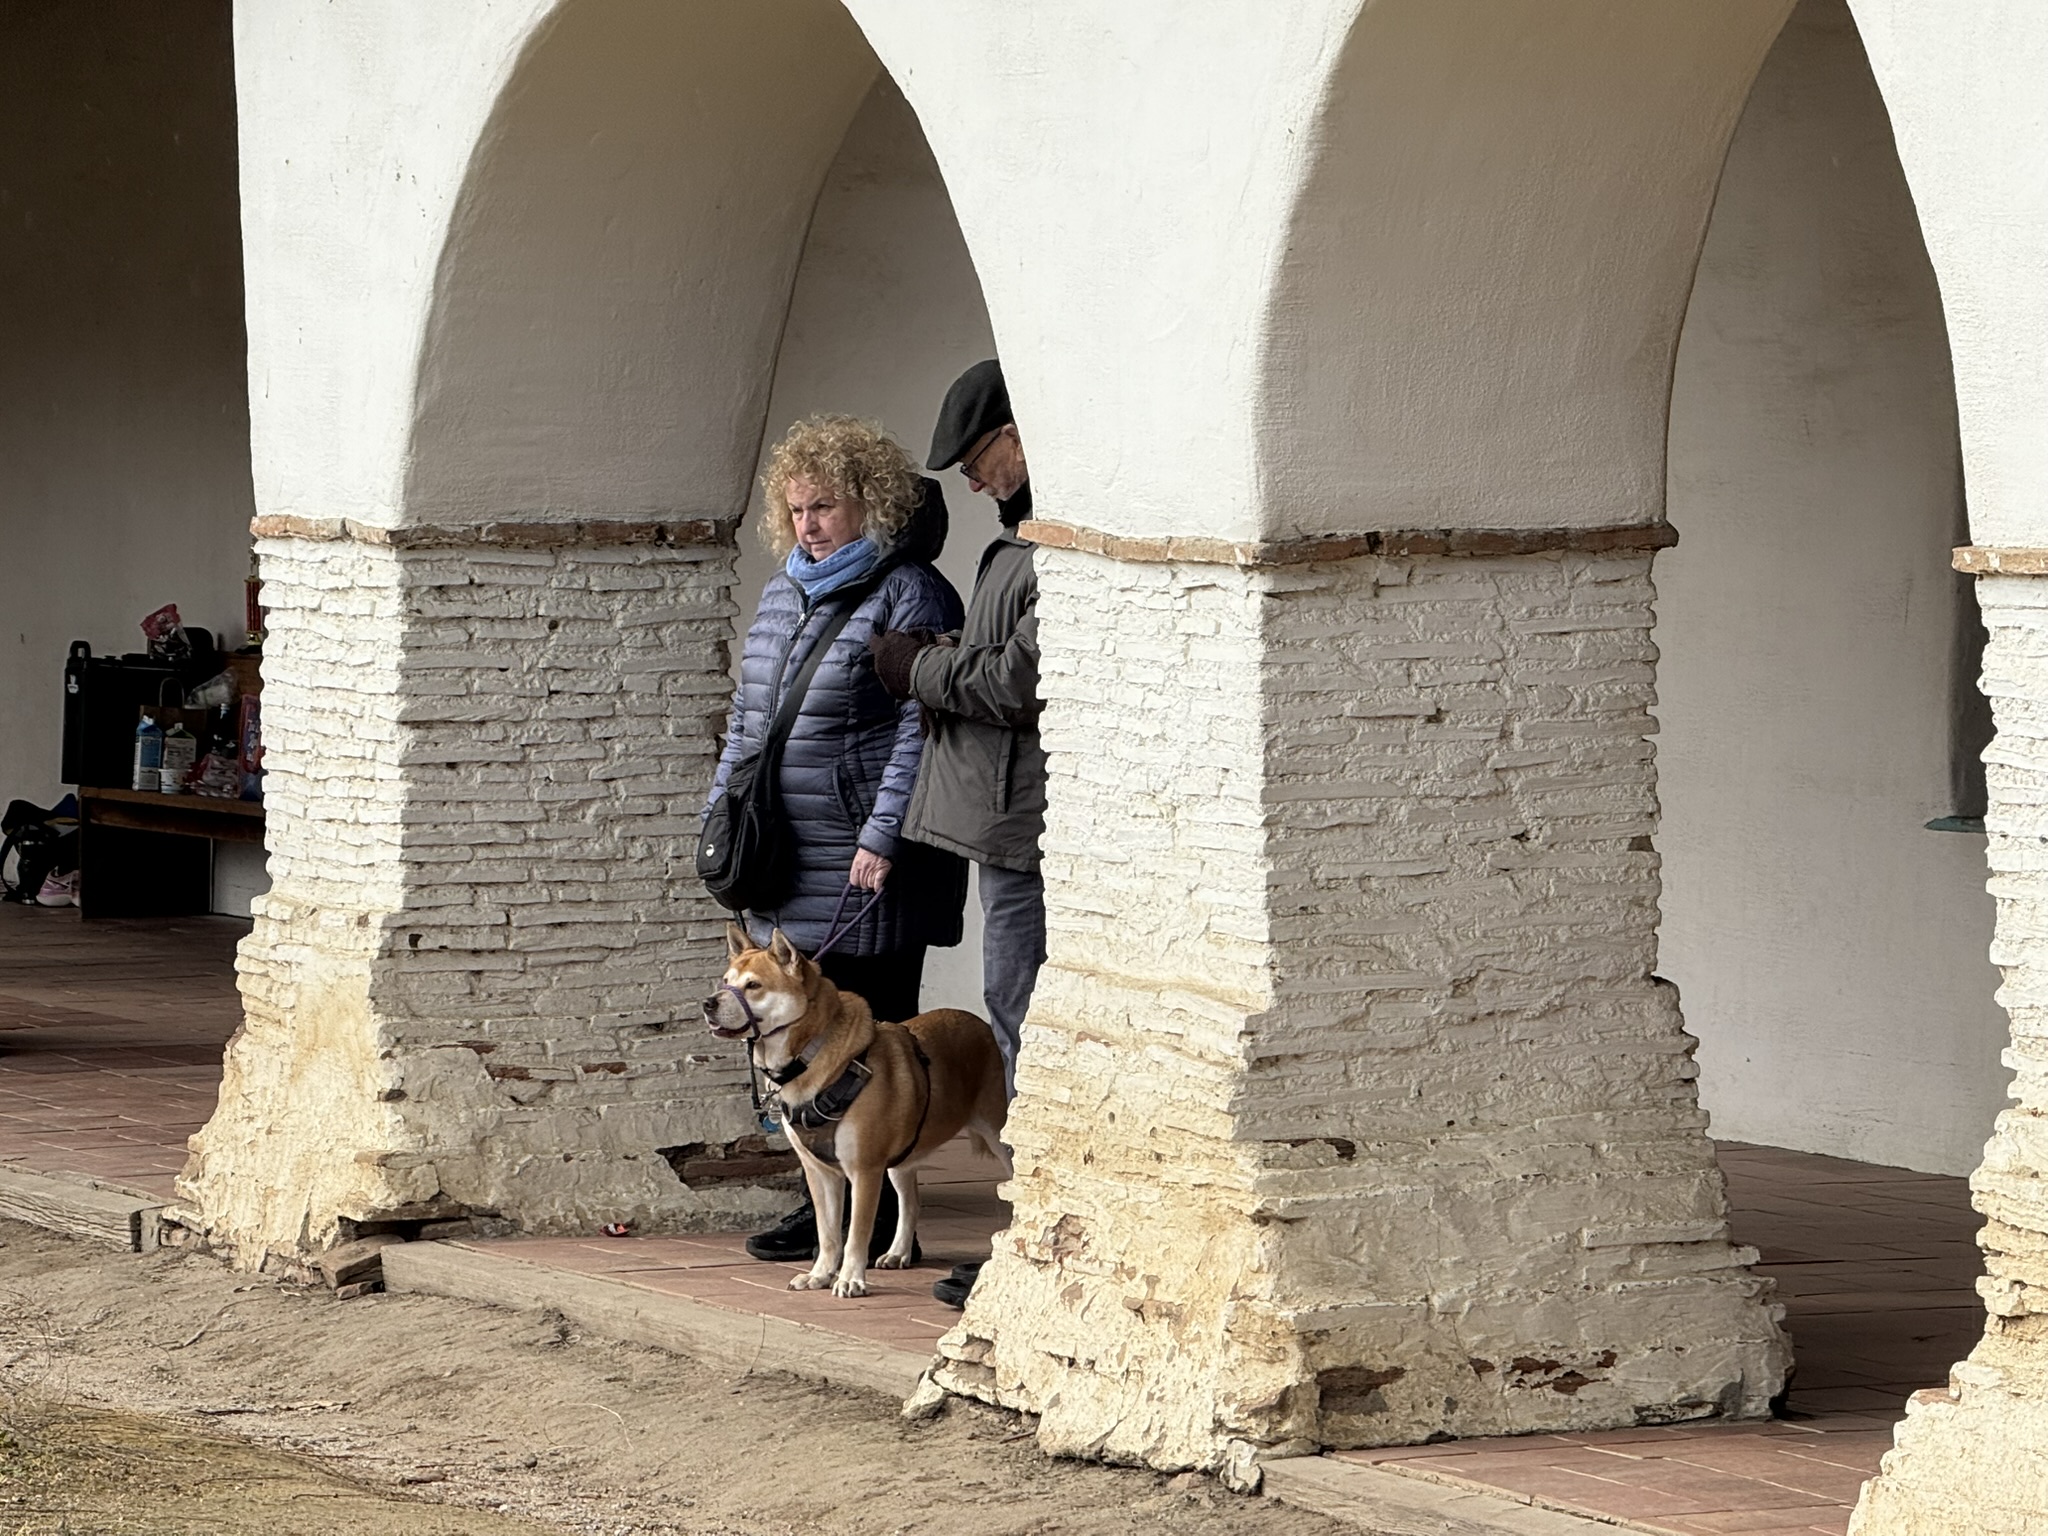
[852, 756]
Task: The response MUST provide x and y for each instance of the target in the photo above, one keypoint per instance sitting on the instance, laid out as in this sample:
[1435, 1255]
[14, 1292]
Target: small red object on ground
[616, 1229]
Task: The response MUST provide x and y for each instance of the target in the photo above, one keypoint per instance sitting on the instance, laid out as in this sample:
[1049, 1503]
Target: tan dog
[861, 1099]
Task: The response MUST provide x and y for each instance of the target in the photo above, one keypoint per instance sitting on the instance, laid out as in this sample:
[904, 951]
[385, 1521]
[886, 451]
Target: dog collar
[753, 1031]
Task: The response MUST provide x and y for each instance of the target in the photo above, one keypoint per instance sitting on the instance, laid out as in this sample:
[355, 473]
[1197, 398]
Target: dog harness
[817, 1119]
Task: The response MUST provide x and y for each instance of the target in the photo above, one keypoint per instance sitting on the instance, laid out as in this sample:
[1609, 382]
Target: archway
[486, 891]
[885, 312]
[1817, 673]
[1819, 764]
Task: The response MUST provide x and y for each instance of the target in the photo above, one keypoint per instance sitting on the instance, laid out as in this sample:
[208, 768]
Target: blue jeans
[1012, 950]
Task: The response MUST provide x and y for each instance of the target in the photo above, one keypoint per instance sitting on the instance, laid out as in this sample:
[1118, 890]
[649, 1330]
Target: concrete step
[739, 1341]
[101, 1213]
[1393, 1504]
[1379, 1503]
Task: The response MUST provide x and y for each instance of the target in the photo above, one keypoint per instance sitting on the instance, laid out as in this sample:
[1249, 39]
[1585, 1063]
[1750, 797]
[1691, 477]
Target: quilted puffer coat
[852, 756]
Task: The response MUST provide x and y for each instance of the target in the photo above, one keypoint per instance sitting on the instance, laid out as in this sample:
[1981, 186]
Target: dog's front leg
[905, 1241]
[860, 1227]
[828, 1200]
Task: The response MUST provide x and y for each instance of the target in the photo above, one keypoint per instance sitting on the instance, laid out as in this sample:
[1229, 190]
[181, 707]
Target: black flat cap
[976, 405]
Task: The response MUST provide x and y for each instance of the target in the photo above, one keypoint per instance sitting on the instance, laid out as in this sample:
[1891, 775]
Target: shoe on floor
[790, 1241]
[59, 891]
[794, 1239]
[952, 1291]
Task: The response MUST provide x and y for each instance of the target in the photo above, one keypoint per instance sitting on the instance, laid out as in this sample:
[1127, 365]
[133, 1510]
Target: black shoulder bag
[746, 855]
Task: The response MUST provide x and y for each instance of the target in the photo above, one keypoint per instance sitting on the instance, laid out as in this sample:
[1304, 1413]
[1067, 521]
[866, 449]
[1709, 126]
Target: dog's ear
[736, 941]
[785, 953]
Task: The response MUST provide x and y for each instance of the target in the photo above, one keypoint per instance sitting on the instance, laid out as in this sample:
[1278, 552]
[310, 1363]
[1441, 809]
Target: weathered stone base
[1975, 1457]
[1351, 1112]
[474, 986]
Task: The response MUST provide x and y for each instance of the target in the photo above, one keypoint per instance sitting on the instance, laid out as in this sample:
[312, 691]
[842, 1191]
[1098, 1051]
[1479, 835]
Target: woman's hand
[869, 871]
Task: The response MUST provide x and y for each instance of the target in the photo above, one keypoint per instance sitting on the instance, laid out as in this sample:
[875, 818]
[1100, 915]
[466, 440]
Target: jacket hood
[924, 536]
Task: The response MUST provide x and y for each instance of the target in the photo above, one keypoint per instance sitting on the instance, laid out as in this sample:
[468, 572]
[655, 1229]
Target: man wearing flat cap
[981, 785]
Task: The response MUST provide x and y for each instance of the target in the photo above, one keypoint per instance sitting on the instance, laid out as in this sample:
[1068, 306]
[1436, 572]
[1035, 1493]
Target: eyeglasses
[967, 464]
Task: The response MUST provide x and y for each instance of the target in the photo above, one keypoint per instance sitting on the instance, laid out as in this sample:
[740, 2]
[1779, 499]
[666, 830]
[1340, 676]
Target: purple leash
[836, 930]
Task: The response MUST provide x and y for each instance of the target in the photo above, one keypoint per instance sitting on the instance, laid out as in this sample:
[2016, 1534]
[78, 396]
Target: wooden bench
[150, 855]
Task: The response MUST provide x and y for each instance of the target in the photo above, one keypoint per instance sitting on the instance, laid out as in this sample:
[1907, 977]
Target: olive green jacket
[981, 787]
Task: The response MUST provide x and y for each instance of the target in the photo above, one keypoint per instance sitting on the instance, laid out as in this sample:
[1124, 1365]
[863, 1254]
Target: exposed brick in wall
[1975, 1457]
[1351, 1111]
[475, 982]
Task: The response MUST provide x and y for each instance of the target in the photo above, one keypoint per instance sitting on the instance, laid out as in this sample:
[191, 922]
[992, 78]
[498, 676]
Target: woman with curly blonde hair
[856, 524]
[853, 457]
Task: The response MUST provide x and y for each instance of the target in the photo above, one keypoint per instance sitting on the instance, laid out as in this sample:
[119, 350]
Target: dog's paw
[893, 1261]
[849, 1285]
[810, 1282]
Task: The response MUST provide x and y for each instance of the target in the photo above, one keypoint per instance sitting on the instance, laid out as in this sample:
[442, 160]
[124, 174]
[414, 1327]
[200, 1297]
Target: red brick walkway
[959, 1213]
[111, 1035]
[110, 1042]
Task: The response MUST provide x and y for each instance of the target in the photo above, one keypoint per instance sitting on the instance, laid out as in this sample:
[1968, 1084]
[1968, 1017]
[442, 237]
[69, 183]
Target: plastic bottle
[149, 755]
[180, 752]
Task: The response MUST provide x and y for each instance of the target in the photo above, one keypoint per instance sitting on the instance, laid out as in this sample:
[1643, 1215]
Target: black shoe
[952, 1290]
[794, 1239]
[790, 1241]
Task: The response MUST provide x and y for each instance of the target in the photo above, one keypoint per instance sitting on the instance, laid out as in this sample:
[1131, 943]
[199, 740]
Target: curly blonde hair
[852, 457]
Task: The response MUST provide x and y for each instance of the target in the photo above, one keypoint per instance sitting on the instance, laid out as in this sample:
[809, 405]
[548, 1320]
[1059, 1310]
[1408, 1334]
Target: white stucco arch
[611, 293]
[1473, 316]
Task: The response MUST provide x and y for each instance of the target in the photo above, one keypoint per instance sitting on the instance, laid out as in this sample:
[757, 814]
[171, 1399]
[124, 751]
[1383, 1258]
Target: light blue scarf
[842, 568]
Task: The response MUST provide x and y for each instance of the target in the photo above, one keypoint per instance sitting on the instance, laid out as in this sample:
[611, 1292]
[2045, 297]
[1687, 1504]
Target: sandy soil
[473, 1409]
[78, 1471]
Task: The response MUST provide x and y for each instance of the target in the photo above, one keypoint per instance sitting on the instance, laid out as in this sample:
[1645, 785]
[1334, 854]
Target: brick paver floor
[959, 1213]
[111, 1035]
[110, 1041]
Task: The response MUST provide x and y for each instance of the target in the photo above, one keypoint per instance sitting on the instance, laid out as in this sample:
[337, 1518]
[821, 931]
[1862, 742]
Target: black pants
[890, 982]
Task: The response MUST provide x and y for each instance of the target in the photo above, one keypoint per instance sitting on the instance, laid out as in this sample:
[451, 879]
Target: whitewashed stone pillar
[1974, 1456]
[474, 986]
[1350, 1110]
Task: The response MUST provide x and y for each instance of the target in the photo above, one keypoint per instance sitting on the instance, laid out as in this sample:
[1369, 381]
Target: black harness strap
[822, 1112]
[925, 1109]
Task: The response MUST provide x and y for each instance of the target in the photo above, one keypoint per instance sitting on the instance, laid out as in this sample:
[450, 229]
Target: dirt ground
[166, 1393]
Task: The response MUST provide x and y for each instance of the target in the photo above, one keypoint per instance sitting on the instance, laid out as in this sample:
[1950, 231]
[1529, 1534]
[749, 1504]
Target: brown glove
[895, 652]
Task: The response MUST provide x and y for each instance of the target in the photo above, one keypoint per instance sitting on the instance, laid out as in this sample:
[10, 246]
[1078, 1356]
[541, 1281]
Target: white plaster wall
[357, 122]
[1963, 80]
[124, 435]
[886, 313]
[1831, 954]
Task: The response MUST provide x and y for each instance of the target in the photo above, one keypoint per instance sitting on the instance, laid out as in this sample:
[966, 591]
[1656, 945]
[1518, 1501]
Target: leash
[836, 930]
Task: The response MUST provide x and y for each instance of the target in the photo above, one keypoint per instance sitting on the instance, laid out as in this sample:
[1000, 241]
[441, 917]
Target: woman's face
[824, 519]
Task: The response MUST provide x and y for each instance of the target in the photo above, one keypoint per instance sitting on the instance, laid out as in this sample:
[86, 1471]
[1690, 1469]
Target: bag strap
[793, 696]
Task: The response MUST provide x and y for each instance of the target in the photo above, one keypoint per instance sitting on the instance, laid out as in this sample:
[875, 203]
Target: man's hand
[869, 871]
[895, 652]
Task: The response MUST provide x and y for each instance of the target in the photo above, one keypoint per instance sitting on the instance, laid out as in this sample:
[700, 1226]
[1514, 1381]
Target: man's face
[994, 463]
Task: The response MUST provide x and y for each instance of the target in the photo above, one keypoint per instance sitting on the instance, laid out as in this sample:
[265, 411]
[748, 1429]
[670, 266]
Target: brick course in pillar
[1351, 1110]
[1975, 1457]
[474, 985]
